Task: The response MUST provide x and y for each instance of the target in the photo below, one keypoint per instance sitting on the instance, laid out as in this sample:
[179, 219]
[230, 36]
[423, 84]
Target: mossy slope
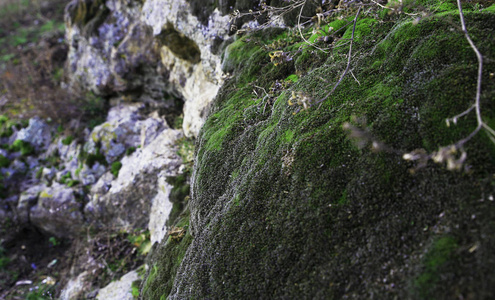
[284, 206]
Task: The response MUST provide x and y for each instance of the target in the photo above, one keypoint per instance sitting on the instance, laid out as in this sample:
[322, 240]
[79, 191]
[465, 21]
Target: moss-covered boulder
[285, 206]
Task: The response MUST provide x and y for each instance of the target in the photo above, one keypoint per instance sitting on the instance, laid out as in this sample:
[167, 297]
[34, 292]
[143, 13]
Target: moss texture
[284, 206]
[164, 262]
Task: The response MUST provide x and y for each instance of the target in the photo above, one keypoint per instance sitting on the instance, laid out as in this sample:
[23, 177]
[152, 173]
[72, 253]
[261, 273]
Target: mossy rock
[115, 168]
[164, 262]
[24, 147]
[285, 206]
[4, 162]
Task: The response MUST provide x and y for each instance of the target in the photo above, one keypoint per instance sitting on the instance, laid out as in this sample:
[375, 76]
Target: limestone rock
[57, 212]
[161, 206]
[76, 287]
[157, 48]
[124, 128]
[38, 134]
[26, 201]
[119, 290]
[196, 80]
[128, 201]
[89, 175]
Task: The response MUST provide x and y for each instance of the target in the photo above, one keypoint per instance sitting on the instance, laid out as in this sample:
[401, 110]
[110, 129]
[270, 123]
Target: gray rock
[57, 211]
[38, 134]
[103, 184]
[119, 290]
[18, 166]
[27, 200]
[76, 287]
[196, 82]
[157, 47]
[123, 129]
[89, 175]
[161, 206]
[128, 202]
[48, 174]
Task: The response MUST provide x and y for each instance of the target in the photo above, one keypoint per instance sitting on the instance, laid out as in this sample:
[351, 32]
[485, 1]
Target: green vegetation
[141, 240]
[135, 289]
[115, 168]
[186, 150]
[166, 260]
[178, 196]
[65, 178]
[39, 172]
[438, 255]
[24, 147]
[307, 209]
[68, 140]
[130, 150]
[4, 162]
[53, 241]
[72, 183]
[92, 158]
[94, 109]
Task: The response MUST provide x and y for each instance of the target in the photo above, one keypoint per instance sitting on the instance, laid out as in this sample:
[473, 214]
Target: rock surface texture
[158, 48]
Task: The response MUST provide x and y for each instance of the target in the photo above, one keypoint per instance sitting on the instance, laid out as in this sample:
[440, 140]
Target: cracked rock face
[147, 50]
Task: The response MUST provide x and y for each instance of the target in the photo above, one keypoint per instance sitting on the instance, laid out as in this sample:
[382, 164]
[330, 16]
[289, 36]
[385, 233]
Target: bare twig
[476, 105]
[394, 9]
[449, 154]
[300, 32]
[348, 61]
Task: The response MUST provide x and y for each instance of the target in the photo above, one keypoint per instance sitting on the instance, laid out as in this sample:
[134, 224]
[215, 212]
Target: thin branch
[300, 32]
[394, 9]
[478, 86]
[462, 114]
[355, 78]
[348, 61]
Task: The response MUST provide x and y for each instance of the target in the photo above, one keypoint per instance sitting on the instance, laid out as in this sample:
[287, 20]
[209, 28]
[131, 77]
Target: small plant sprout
[279, 57]
[301, 99]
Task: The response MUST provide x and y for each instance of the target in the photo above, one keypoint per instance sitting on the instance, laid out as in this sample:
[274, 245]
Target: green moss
[72, 183]
[6, 131]
[135, 289]
[285, 205]
[166, 261]
[65, 178]
[490, 8]
[186, 149]
[91, 159]
[24, 147]
[289, 135]
[130, 150]
[78, 170]
[178, 196]
[364, 27]
[68, 140]
[440, 252]
[292, 78]
[115, 168]
[39, 173]
[4, 162]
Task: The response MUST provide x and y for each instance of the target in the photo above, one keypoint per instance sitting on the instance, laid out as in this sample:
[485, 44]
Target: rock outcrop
[158, 48]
